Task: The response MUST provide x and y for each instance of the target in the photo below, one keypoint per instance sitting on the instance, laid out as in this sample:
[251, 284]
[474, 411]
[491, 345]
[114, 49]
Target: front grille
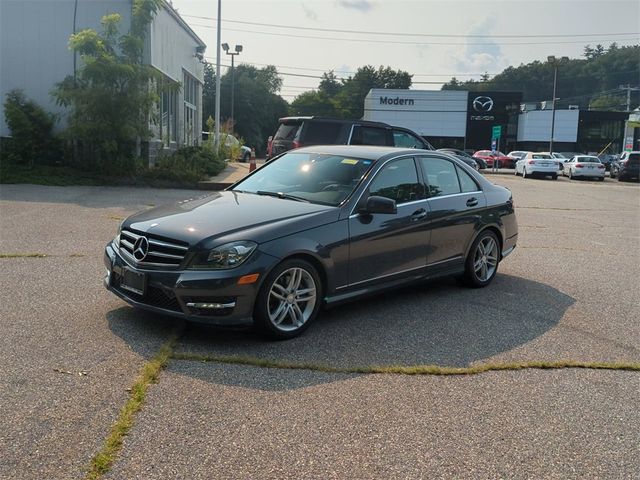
[162, 252]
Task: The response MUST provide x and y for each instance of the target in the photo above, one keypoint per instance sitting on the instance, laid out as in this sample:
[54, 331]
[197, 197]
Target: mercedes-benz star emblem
[483, 104]
[140, 248]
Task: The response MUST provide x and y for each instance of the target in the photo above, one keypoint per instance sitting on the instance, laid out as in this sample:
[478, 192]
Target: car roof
[367, 152]
[333, 119]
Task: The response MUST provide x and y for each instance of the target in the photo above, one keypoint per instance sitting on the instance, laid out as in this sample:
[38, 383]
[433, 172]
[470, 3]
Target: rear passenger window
[467, 184]
[320, 133]
[368, 136]
[441, 176]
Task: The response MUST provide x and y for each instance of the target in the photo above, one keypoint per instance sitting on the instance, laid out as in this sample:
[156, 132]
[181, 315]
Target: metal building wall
[34, 44]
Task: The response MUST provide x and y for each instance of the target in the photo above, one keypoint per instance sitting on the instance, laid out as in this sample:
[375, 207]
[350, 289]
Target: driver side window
[398, 180]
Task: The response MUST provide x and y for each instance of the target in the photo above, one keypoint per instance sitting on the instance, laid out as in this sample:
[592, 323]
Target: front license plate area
[133, 281]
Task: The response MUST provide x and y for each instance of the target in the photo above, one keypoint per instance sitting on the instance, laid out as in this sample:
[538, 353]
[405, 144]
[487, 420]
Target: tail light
[579, 165]
[600, 166]
[296, 144]
[531, 162]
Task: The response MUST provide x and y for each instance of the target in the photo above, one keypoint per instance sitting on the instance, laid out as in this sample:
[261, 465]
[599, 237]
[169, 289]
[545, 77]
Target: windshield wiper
[282, 195]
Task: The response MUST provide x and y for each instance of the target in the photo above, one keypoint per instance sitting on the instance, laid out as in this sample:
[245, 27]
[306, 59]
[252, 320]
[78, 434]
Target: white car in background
[537, 164]
[582, 166]
[231, 141]
[517, 154]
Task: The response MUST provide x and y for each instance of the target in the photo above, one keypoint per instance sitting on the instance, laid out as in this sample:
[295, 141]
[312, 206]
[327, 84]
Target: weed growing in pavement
[102, 461]
[22, 255]
[408, 370]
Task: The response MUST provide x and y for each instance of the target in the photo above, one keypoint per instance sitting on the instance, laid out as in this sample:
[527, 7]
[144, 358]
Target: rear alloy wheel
[289, 300]
[482, 262]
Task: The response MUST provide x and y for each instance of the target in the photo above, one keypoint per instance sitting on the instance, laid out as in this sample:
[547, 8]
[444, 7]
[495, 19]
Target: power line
[398, 42]
[405, 34]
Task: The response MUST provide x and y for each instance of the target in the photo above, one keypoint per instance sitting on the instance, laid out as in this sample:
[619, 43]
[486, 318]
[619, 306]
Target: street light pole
[225, 47]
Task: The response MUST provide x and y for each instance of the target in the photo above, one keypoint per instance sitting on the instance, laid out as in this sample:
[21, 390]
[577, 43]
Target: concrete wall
[535, 126]
[428, 113]
[34, 44]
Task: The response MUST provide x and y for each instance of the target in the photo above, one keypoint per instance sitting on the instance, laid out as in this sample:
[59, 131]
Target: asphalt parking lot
[569, 292]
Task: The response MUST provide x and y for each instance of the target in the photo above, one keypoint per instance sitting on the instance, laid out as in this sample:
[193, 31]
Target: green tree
[313, 103]
[257, 104]
[110, 99]
[579, 80]
[350, 100]
[329, 84]
[609, 102]
[32, 139]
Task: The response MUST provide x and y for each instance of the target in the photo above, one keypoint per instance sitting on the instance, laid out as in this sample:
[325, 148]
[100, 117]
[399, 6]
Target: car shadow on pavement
[437, 323]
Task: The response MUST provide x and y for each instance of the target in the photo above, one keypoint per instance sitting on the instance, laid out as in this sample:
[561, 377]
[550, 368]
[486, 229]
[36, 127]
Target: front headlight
[229, 255]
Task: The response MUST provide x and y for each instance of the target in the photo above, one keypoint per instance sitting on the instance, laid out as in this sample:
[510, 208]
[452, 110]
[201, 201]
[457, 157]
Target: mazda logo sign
[140, 248]
[483, 104]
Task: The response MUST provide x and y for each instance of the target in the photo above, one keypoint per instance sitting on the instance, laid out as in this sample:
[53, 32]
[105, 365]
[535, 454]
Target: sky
[433, 40]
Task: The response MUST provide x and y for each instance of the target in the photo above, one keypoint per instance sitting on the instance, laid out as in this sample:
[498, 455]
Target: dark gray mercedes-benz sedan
[313, 227]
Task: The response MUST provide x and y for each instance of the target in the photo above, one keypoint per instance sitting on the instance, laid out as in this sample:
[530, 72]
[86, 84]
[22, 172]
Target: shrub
[31, 131]
[188, 165]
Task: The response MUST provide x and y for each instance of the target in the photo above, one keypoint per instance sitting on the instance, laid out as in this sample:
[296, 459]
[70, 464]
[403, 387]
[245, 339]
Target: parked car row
[577, 165]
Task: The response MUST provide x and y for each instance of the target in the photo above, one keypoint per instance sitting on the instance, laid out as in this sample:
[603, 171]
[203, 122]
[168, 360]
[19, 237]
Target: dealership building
[468, 120]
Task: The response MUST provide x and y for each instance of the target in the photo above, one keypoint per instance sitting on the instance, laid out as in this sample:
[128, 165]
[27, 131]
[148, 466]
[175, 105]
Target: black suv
[627, 167]
[296, 132]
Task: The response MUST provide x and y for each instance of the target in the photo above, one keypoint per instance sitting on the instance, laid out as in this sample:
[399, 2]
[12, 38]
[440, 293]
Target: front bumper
[212, 297]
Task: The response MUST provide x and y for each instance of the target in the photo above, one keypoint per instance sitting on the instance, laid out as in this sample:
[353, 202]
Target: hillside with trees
[590, 82]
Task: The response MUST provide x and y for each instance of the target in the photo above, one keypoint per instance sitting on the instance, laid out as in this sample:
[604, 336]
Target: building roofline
[176, 16]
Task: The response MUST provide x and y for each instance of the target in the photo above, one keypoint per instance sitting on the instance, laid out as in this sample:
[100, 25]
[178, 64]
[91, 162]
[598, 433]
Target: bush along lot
[34, 154]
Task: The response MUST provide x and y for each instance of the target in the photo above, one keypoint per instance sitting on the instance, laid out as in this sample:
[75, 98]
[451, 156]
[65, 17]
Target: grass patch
[22, 255]
[102, 461]
[409, 370]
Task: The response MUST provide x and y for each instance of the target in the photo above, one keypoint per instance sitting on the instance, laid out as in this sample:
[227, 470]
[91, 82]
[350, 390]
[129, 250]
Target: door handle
[472, 202]
[418, 215]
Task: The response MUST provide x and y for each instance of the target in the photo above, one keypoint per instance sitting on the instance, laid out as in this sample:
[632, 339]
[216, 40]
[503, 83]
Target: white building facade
[35, 55]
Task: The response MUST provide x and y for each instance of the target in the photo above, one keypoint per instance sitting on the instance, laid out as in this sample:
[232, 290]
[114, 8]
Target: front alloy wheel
[482, 261]
[289, 299]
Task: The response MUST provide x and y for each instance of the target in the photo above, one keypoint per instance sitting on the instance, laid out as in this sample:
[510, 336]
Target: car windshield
[313, 177]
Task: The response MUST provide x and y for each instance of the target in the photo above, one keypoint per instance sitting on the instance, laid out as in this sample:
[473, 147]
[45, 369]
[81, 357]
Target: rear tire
[482, 261]
[289, 300]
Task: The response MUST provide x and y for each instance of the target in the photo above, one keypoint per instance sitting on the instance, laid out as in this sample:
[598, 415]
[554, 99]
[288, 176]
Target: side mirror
[377, 204]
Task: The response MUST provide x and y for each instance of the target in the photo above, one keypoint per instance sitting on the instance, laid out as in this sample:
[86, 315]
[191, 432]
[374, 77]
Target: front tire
[289, 300]
[481, 265]
[524, 173]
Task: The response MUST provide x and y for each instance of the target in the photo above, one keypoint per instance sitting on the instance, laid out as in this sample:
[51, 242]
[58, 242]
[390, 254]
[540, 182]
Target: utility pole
[217, 112]
[629, 89]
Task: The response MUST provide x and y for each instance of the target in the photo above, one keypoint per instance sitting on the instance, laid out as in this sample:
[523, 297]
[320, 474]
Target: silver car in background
[584, 166]
[537, 164]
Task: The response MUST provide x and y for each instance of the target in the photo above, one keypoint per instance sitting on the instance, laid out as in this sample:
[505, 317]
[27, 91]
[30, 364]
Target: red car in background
[503, 161]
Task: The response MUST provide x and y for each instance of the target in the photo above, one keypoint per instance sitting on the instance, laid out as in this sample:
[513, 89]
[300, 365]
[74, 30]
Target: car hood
[231, 216]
